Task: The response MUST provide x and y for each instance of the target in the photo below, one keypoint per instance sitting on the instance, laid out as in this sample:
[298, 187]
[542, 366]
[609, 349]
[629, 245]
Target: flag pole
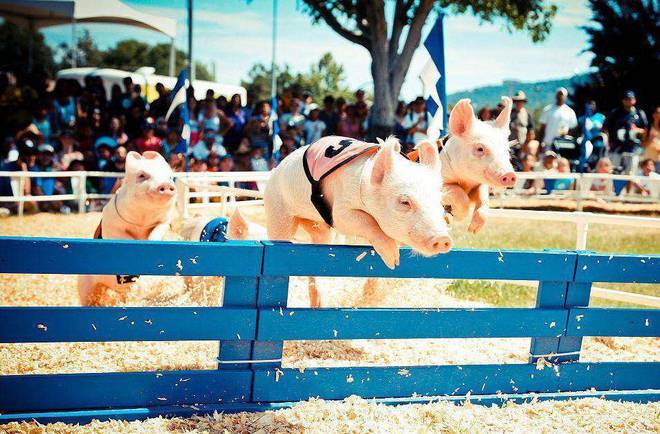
[273, 78]
[191, 73]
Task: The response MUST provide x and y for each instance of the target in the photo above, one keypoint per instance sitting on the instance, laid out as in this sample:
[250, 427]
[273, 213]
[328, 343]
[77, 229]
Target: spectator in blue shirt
[590, 125]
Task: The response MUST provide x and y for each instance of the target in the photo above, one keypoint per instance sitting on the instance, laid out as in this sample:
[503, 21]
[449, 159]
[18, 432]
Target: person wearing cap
[626, 125]
[45, 186]
[554, 116]
[521, 120]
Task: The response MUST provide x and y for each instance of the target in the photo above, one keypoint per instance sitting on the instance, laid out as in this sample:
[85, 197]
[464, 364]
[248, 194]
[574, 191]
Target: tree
[364, 23]
[326, 77]
[17, 44]
[624, 41]
[129, 55]
[259, 80]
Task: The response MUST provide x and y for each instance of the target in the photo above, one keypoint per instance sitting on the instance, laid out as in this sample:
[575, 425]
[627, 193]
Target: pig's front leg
[480, 215]
[359, 223]
[158, 232]
[458, 200]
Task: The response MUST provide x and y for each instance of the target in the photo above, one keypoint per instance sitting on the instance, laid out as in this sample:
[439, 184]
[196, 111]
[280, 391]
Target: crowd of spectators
[622, 141]
[78, 127]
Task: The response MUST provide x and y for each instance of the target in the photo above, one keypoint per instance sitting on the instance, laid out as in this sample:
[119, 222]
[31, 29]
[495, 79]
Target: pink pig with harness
[141, 209]
[360, 189]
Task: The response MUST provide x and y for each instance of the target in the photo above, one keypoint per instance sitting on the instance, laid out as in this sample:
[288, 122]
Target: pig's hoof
[477, 224]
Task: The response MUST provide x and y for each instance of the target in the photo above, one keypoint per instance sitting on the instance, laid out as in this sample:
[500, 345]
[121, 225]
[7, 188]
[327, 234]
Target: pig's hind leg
[458, 200]
[320, 233]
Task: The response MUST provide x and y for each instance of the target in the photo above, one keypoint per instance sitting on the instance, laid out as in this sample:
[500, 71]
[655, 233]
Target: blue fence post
[273, 294]
[549, 295]
[577, 295]
[239, 292]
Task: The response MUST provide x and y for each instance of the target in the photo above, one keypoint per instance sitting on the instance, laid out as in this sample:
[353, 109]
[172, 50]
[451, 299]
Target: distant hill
[539, 93]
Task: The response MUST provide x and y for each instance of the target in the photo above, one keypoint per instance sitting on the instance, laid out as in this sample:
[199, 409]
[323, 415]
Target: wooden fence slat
[308, 324]
[381, 382]
[286, 259]
[598, 267]
[167, 258]
[101, 324]
[121, 389]
[613, 322]
[549, 295]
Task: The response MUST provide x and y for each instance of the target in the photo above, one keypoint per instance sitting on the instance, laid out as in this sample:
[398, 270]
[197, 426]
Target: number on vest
[332, 152]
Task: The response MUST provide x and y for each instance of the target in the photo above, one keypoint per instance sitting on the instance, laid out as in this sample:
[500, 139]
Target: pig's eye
[142, 176]
[479, 150]
[405, 203]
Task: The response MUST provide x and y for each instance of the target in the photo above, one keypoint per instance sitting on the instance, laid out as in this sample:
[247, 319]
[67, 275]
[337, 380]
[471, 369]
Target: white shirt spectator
[313, 130]
[410, 119]
[555, 118]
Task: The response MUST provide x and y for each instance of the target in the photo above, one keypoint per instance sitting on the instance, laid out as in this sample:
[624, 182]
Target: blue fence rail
[255, 321]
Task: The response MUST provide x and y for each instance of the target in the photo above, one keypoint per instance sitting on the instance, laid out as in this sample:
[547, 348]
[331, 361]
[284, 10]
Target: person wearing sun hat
[522, 123]
[556, 115]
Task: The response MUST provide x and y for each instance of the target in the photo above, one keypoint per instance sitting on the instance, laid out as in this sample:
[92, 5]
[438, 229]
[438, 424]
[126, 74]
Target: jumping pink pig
[475, 157]
[141, 209]
[361, 189]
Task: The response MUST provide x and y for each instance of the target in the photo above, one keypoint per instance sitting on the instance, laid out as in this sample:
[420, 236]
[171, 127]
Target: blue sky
[235, 34]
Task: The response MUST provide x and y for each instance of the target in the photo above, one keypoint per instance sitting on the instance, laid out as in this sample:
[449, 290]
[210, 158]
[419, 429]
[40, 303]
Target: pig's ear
[237, 228]
[152, 155]
[461, 118]
[132, 160]
[504, 117]
[380, 141]
[429, 155]
[382, 164]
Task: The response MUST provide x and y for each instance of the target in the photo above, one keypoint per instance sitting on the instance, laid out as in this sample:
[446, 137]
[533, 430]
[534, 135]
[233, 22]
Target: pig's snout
[439, 244]
[508, 179]
[166, 189]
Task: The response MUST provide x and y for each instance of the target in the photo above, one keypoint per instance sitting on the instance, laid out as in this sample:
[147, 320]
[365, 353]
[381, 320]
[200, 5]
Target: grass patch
[494, 293]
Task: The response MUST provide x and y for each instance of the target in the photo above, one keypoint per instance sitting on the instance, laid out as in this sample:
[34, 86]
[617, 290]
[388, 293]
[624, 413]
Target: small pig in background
[380, 196]
[141, 209]
[475, 157]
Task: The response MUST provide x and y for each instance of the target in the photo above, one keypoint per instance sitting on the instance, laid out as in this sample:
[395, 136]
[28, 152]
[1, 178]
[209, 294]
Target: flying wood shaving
[42, 327]
[361, 256]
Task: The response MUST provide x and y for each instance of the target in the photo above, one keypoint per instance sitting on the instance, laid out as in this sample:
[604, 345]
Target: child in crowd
[564, 166]
[644, 185]
[602, 185]
[258, 161]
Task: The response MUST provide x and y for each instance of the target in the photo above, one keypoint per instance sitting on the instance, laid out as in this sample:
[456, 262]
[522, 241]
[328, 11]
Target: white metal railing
[581, 190]
[203, 185]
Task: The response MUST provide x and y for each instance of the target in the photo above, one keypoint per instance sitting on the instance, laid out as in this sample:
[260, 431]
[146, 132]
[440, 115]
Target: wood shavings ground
[357, 415]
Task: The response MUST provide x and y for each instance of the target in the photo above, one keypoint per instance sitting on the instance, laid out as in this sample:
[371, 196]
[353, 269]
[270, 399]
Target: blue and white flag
[275, 125]
[433, 79]
[179, 97]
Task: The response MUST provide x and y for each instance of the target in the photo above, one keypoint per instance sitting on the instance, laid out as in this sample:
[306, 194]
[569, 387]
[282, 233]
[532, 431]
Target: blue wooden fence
[255, 320]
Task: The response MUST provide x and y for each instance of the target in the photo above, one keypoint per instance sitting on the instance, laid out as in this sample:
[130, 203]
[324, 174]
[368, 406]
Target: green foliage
[623, 37]
[533, 16]
[129, 55]
[15, 48]
[326, 77]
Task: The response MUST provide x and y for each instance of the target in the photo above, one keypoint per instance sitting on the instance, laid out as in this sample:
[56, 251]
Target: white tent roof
[44, 13]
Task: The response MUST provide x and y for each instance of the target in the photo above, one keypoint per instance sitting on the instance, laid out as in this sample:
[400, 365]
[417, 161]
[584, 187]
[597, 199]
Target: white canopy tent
[44, 13]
